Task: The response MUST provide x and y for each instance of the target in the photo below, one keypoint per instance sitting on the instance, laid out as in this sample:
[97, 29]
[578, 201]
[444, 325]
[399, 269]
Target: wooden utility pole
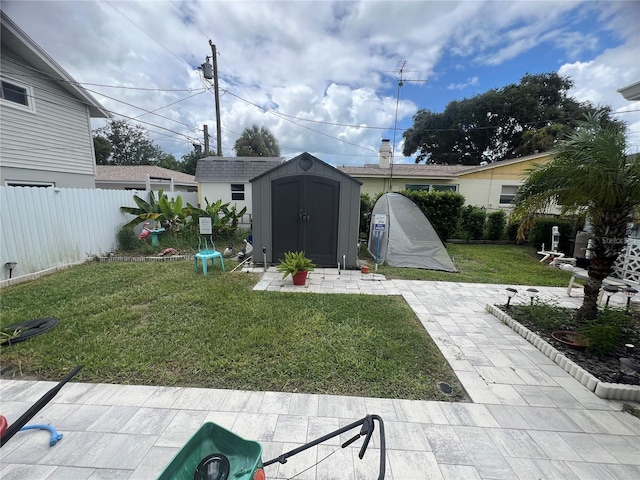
[206, 139]
[217, 96]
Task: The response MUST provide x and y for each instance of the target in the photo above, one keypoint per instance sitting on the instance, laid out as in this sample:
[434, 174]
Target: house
[489, 185]
[227, 179]
[45, 118]
[143, 177]
[631, 92]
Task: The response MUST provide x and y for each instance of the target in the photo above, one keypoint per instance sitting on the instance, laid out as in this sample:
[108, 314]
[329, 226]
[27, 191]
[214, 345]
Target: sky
[323, 76]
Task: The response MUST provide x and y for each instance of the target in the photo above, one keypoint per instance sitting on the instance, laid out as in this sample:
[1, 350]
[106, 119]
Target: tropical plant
[164, 211]
[589, 173]
[145, 211]
[293, 263]
[224, 216]
[172, 217]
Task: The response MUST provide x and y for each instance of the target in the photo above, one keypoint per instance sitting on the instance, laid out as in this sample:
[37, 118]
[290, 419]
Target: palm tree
[257, 142]
[589, 174]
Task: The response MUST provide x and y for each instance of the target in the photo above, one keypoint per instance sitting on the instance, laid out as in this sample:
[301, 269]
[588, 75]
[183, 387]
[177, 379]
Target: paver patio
[529, 419]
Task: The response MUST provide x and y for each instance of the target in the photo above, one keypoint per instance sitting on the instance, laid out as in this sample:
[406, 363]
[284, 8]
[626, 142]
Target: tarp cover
[408, 239]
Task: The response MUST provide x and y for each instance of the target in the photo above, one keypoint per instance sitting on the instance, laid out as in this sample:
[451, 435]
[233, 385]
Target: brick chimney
[385, 154]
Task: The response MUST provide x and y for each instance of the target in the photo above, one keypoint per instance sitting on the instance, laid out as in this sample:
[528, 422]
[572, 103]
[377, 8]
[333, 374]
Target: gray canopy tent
[401, 235]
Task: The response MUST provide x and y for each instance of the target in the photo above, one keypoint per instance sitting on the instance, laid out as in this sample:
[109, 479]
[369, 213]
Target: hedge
[443, 209]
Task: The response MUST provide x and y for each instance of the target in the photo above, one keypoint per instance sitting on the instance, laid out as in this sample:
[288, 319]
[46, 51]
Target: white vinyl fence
[45, 228]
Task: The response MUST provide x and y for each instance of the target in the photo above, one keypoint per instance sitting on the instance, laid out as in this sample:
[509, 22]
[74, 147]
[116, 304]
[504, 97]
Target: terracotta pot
[573, 339]
[300, 278]
[364, 268]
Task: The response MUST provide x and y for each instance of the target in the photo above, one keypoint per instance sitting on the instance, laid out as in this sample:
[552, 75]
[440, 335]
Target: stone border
[144, 259]
[610, 391]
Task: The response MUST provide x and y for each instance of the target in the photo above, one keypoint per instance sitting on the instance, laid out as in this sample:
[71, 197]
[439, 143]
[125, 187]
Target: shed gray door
[305, 217]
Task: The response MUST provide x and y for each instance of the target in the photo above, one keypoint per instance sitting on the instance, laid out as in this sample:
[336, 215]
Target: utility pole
[395, 125]
[206, 139]
[217, 96]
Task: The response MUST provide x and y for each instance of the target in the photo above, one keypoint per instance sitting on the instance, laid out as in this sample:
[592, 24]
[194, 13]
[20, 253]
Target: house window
[508, 193]
[432, 188]
[444, 188]
[17, 95]
[410, 186]
[237, 191]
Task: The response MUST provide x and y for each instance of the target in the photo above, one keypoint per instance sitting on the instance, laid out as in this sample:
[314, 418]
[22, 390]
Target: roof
[138, 174]
[233, 169]
[19, 42]
[307, 157]
[430, 170]
[631, 92]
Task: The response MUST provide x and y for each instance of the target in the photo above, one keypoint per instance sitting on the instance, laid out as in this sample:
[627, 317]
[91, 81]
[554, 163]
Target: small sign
[379, 222]
[205, 226]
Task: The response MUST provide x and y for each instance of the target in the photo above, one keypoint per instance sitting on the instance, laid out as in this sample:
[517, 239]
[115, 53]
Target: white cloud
[473, 81]
[333, 62]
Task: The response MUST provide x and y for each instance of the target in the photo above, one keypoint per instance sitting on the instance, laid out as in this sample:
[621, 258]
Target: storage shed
[306, 205]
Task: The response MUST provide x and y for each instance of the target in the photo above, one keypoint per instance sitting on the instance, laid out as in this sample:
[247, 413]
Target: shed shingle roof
[233, 169]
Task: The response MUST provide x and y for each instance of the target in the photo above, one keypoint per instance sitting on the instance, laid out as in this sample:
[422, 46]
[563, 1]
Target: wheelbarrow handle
[366, 430]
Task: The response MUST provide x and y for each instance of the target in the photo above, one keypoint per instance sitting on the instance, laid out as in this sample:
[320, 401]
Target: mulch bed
[605, 368]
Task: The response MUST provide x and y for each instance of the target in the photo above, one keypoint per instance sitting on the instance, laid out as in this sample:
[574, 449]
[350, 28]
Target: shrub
[541, 232]
[473, 222]
[512, 231]
[366, 206]
[127, 239]
[443, 209]
[496, 224]
[603, 337]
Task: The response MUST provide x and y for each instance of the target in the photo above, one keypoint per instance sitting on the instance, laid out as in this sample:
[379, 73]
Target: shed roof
[233, 169]
[305, 156]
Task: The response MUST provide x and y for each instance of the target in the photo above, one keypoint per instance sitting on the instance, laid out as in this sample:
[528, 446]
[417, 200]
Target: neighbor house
[45, 118]
[227, 179]
[489, 185]
[143, 177]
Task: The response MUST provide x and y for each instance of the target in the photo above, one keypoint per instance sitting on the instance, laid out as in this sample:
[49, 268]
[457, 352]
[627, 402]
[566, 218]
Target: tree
[257, 142]
[168, 161]
[102, 149]
[516, 120]
[190, 161]
[130, 145]
[589, 173]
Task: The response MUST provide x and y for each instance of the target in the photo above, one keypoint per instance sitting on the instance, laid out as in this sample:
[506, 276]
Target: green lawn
[504, 264]
[163, 324]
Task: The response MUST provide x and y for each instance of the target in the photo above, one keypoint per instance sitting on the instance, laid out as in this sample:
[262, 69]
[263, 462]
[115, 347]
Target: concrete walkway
[529, 419]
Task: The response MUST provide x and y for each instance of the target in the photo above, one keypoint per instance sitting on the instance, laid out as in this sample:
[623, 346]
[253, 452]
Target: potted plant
[297, 265]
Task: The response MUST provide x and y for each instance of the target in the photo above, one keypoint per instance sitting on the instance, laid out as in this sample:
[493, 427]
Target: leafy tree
[130, 145]
[257, 142]
[102, 149]
[499, 124]
[169, 162]
[190, 161]
[589, 173]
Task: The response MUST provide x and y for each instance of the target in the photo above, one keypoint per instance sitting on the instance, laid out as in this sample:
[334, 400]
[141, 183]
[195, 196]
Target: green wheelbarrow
[215, 453]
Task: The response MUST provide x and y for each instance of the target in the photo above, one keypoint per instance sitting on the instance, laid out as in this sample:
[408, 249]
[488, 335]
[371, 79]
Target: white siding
[54, 138]
[214, 191]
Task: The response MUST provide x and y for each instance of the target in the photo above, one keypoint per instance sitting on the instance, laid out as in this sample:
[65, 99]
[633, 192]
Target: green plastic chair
[206, 250]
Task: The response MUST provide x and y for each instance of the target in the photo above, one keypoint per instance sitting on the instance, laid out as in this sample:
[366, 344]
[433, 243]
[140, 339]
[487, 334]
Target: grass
[503, 264]
[163, 324]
